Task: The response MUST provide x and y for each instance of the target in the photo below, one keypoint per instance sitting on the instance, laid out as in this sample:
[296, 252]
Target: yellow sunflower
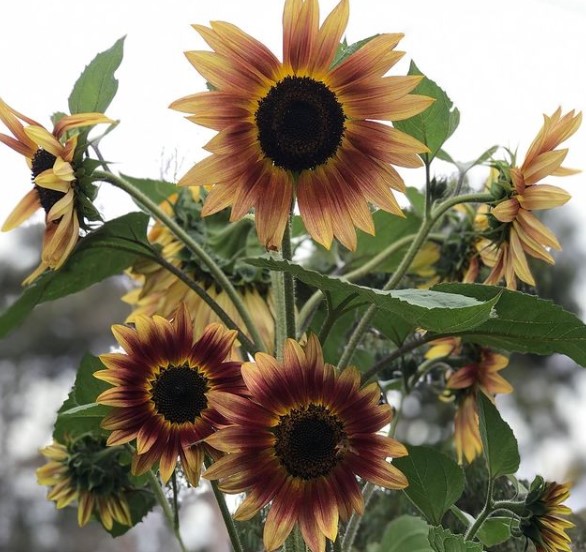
[544, 525]
[305, 128]
[80, 471]
[163, 387]
[514, 231]
[161, 292]
[50, 157]
[299, 442]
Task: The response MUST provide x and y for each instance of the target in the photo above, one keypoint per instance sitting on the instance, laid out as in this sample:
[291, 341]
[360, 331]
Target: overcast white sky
[504, 63]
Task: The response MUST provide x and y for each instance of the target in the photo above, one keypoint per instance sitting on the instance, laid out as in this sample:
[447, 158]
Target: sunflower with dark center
[304, 129]
[163, 386]
[80, 470]
[50, 156]
[545, 525]
[300, 441]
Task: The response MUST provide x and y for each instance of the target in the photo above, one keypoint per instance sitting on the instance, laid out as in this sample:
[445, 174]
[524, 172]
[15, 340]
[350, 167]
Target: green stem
[278, 285]
[483, 515]
[289, 284]
[460, 515]
[222, 314]
[217, 273]
[394, 280]
[227, 517]
[354, 523]
[175, 502]
[338, 544]
[164, 503]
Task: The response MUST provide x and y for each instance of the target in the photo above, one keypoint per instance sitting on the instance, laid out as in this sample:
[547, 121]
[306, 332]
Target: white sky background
[504, 63]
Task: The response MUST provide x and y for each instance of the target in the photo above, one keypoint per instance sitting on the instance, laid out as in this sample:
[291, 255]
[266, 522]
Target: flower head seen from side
[79, 470]
[307, 128]
[545, 525]
[54, 159]
[160, 292]
[513, 229]
[480, 374]
[163, 386]
[299, 442]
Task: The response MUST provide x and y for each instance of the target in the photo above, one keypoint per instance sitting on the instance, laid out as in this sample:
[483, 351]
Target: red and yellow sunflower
[480, 374]
[163, 387]
[516, 231]
[299, 442]
[80, 471]
[545, 525]
[50, 157]
[307, 128]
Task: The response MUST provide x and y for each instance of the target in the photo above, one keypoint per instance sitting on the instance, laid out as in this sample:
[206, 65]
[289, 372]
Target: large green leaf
[103, 253]
[435, 481]
[437, 123]
[500, 446]
[96, 86]
[406, 533]
[79, 414]
[524, 323]
[426, 309]
[443, 540]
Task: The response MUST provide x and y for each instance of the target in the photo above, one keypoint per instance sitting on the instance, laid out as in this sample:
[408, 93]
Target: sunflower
[300, 441]
[160, 292]
[306, 128]
[53, 159]
[479, 374]
[79, 470]
[543, 525]
[514, 231]
[163, 386]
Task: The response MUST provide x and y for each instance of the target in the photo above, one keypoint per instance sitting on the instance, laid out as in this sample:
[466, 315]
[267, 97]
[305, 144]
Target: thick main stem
[289, 284]
[217, 273]
[227, 517]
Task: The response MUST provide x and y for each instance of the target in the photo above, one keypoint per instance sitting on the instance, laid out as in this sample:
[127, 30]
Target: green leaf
[437, 123]
[155, 190]
[496, 530]
[405, 533]
[524, 323]
[435, 481]
[96, 86]
[103, 253]
[141, 502]
[422, 308]
[443, 540]
[500, 446]
[79, 413]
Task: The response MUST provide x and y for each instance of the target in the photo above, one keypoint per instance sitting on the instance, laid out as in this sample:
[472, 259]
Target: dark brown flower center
[43, 160]
[308, 441]
[300, 123]
[178, 394]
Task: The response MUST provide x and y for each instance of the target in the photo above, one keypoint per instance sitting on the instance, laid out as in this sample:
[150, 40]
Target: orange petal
[25, 208]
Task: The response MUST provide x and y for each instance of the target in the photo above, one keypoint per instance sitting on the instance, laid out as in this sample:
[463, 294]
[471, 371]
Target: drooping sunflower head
[544, 524]
[84, 469]
[163, 385]
[306, 129]
[300, 441]
[512, 231]
[62, 184]
[161, 292]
